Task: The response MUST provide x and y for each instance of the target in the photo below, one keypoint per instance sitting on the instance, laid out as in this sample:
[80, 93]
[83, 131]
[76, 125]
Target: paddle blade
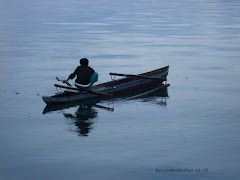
[68, 84]
[64, 82]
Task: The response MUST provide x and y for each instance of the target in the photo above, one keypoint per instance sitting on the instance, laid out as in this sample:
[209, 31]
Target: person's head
[84, 62]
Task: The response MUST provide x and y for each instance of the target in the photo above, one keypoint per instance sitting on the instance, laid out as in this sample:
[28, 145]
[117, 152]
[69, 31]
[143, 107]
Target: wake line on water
[16, 92]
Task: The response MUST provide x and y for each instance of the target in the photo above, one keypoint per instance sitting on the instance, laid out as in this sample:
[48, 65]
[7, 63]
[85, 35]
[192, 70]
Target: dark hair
[84, 62]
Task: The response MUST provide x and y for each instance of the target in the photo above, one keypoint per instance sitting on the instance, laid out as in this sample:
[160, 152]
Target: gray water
[196, 127]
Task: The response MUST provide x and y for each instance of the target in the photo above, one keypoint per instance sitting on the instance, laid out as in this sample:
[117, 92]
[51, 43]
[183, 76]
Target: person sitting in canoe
[86, 76]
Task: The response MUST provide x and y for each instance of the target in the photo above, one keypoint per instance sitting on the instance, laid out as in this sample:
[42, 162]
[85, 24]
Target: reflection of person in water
[83, 119]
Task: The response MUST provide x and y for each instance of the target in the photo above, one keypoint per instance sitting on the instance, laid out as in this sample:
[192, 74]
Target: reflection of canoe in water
[62, 106]
[122, 86]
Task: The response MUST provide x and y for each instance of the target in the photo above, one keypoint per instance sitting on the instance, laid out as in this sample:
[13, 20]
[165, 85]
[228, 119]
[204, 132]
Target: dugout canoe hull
[115, 87]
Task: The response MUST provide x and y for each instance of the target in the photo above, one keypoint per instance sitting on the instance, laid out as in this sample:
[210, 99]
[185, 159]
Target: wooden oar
[104, 107]
[83, 90]
[138, 76]
[63, 82]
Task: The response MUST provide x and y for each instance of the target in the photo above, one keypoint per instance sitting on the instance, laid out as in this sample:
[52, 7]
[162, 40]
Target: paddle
[86, 90]
[138, 76]
[104, 107]
[63, 82]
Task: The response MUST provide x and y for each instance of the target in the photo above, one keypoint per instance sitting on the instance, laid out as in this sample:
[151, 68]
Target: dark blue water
[196, 127]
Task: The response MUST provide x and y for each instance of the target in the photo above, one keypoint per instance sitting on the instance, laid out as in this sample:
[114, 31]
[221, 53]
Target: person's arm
[71, 76]
[64, 81]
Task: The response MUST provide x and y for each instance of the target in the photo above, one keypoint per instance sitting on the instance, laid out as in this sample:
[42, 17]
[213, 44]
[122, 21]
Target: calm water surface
[195, 127]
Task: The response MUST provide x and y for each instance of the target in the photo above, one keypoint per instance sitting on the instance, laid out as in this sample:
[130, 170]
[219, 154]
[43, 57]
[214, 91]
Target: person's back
[86, 76]
[83, 73]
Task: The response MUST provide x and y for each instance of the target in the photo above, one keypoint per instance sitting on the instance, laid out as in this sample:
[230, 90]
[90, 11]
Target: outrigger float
[109, 89]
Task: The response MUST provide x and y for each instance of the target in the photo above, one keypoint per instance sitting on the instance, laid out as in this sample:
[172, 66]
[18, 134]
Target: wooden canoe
[114, 87]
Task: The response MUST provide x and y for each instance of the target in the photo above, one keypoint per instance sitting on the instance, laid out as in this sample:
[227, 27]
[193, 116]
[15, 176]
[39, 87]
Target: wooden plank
[83, 90]
[138, 76]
